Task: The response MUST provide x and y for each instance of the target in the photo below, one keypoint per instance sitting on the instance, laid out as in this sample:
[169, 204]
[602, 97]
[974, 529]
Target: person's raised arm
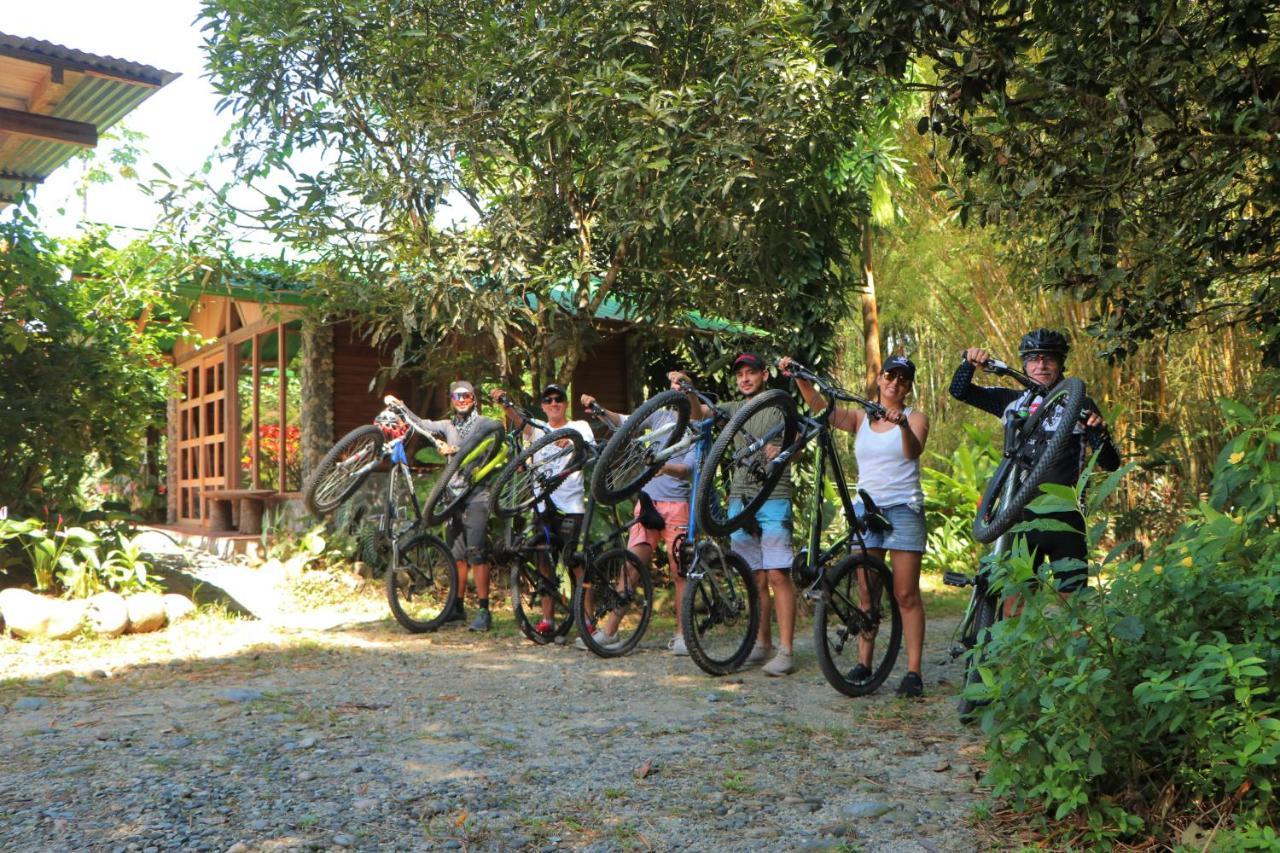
[696, 407]
[614, 418]
[846, 419]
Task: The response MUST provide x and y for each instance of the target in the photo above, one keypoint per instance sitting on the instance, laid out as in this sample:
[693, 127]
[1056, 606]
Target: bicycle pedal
[813, 595]
[957, 579]
[956, 650]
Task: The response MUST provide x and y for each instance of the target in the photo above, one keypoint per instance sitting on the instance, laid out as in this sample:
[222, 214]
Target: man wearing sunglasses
[467, 529]
[561, 516]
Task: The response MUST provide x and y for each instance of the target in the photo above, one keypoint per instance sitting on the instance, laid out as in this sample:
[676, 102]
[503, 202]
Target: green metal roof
[612, 308]
[110, 90]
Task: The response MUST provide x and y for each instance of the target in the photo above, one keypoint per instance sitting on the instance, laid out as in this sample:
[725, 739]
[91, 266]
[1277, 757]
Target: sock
[484, 603]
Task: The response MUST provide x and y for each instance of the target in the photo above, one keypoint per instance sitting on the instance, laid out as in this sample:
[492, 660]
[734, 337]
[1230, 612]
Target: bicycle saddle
[872, 518]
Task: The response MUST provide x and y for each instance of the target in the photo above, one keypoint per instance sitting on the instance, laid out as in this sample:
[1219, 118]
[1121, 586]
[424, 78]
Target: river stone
[108, 614]
[177, 607]
[29, 615]
[146, 612]
[866, 809]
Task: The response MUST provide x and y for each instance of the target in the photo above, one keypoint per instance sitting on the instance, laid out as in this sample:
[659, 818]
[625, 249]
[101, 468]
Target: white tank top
[887, 475]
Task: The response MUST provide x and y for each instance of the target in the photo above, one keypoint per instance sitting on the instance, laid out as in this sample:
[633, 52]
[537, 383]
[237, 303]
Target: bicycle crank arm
[957, 579]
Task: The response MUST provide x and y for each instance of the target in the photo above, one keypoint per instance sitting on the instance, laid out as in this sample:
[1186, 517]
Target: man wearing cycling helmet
[1044, 357]
[467, 529]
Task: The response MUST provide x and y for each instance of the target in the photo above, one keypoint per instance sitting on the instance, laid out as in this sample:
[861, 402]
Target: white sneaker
[601, 638]
[677, 646]
[780, 665]
[757, 655]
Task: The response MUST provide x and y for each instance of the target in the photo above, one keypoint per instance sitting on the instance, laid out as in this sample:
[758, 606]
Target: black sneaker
[482, 622]
[860, 674]
[458, 613]
[911, 686]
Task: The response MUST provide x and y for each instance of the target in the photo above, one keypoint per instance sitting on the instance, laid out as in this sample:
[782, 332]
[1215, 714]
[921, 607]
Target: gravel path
[244, 735]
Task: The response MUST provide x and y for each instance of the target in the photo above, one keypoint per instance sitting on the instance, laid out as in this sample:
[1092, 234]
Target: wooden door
[202, 433]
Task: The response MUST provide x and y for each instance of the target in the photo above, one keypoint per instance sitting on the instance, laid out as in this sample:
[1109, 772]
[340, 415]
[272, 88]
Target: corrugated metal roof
[47, 52]
[98, 100]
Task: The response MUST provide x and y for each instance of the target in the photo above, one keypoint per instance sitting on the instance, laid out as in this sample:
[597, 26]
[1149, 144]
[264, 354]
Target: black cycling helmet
[1044, 341]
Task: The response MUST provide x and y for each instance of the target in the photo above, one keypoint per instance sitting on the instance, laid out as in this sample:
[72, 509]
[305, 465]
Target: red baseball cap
[750, 359]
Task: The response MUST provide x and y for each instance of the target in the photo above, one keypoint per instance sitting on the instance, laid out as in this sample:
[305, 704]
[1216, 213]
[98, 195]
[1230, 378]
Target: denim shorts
[908, 533]
[771, 549]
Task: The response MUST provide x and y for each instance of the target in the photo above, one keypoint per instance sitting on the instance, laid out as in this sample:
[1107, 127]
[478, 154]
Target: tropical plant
[75, 560]
[951, 496]
[1152, 703]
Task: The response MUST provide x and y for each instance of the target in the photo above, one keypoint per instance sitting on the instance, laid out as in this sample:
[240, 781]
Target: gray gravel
[369, 739]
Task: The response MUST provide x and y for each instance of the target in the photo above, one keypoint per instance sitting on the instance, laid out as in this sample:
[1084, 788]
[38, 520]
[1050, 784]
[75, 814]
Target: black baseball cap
[750, 359]
[901, 362]
[553, 388]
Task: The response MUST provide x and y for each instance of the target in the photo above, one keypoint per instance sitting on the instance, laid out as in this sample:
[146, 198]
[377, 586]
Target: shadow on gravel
[174, 578]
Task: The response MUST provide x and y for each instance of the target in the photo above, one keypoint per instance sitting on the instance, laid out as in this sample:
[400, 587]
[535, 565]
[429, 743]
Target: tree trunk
[870, 314]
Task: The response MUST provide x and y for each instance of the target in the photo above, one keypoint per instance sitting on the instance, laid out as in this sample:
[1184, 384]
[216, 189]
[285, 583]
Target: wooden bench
[253, 502]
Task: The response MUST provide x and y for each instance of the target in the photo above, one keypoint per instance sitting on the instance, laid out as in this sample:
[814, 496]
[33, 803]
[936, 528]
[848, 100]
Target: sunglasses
[900, 378]
[463, 395]
[553, 398]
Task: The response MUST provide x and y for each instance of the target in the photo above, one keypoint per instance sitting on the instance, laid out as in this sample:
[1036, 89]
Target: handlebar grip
[392, 400]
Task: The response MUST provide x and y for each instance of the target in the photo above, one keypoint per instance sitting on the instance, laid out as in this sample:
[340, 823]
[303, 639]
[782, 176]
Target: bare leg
[906, 589]
[482, 580]
[764, 636]
[784, 597]
[462, 580]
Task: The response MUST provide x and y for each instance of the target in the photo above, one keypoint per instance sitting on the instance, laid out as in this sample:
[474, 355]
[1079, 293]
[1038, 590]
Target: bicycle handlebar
[830, 389]
[999, 368]
[398, 406]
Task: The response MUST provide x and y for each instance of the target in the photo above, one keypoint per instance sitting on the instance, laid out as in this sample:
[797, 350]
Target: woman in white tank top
[888, 454]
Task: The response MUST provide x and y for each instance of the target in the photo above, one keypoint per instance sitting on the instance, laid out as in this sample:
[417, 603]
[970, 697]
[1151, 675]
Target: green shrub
[75, 560]
[1152, 701]
[951, 496]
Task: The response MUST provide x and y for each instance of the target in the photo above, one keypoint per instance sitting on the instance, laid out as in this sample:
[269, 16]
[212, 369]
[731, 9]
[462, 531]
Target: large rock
[29, 615]
[177, 607]
[108, 614]
[146, 612]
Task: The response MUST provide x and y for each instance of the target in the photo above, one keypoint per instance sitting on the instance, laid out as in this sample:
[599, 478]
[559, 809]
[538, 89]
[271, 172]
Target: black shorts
[1048, 546]
[557, 532]
[467, 529]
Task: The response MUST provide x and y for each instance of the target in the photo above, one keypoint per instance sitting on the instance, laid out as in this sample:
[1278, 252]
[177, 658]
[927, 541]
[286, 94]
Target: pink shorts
[676, 516]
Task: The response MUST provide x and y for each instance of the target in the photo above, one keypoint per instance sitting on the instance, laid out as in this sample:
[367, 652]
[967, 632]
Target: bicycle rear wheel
[857, 629]
[984, 616]
[626, 463]
[721, 610]
[422, 583]
[342, 469]
[457, 481]
[995, 513]
[738, 456]
[530, 589]
[616, 596]
[536, 472]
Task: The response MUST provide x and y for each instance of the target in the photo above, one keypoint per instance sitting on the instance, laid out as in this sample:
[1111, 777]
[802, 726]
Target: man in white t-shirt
[561, 515]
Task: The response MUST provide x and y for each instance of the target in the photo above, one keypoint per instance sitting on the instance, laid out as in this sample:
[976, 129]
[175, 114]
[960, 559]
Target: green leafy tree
[673, 156]
[1129, 148]
[84, 372]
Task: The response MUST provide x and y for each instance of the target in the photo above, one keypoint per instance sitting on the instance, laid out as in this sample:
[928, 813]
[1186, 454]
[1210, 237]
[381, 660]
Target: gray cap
[462, 385]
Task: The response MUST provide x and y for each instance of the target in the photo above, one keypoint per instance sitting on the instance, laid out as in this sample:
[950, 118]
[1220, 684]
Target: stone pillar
[317, 393]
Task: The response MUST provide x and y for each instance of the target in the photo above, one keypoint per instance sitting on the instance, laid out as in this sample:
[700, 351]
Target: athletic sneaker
[677, 646]
[860, 674]
[546, 628]
[780, 665]
[482, 622]
[601, 638]
[911, 686]
[757, 655]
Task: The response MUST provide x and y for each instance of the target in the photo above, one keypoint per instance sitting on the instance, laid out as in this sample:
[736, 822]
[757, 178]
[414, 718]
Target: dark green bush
[1149, 705]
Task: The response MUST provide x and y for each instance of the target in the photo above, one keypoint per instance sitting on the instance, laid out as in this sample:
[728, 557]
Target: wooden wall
[355, 363]
[603, 375]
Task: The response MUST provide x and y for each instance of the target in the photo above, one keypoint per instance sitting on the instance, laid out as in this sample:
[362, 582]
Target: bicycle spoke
[857, 629]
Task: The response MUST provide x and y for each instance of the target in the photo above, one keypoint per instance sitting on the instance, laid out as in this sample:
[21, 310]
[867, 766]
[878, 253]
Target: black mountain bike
[856, 623]
[721, 606]
[1032, 440]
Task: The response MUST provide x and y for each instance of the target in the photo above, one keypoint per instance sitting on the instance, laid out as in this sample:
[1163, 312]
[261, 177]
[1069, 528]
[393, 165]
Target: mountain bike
[721, 605]
[853, 597]
[1032, 439]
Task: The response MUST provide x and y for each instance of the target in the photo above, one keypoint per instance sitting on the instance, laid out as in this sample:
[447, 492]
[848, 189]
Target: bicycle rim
[770, 418]
[534, 474]
[343, 469]
[422, 583]
[721, 611]
[627, 461]
[616, 597]
[857, 627]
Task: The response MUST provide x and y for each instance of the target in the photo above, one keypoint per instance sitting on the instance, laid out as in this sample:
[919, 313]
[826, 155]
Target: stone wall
[317, 394]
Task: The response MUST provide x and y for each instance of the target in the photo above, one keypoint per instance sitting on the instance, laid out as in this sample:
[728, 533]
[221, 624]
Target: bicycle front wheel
[422, 583]
[460, 476]
[740, 461]
[542, 604]
[537, 472]
[342, 470]
[615, 598]
[627, 461]
[984, 616]
[857, 629]
[721, 611]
